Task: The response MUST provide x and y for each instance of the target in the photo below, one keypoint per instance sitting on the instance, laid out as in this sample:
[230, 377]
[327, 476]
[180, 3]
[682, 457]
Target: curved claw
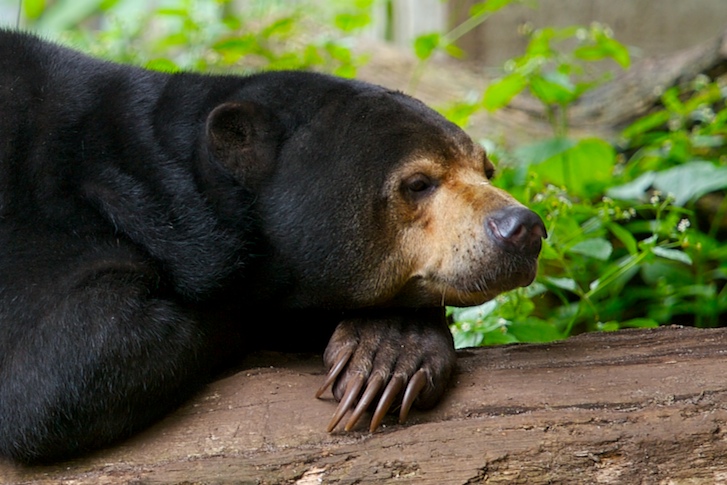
[352, 391]
[387, 399]
[335, 371]
[416, 384]
[372, 390]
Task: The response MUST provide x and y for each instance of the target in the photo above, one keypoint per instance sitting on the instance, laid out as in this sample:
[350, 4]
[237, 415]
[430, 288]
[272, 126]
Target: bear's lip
[434, 290]
[458, 297]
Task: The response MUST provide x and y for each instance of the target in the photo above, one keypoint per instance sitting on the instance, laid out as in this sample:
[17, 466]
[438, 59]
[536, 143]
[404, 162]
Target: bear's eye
[418, 185]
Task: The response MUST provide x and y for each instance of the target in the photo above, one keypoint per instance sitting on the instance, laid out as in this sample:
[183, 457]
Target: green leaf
[350, 22]
[488, 7]
[454, 51]
[672, 254]
[501, 92]
[280, 27]
[623, 235]
[467, 339]
[665, 270]
[544, 150]
[618, 53]
[553, 88]
[604, 48]
[583, 169]
[534, 330]
[499, 337]
[608, 326]
[475, 313]
[33, 8]
[691, 181]
[597, 248]
[163, 65]
[684, 182]
[647, 123]
[633, 190]
[426, 44]
[568, 284]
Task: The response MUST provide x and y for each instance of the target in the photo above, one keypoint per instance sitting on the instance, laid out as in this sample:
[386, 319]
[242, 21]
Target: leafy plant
[626, 248]
[210, 35]
[553, 75]
[426, 45]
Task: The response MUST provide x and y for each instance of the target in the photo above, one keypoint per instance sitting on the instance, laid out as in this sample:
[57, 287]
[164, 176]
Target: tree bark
[645, 406]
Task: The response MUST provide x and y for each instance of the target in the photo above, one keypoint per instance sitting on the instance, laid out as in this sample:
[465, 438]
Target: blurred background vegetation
[637, 219]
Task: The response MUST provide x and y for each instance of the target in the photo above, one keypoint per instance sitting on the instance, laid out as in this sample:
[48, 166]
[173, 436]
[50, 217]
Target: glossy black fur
[145, 242]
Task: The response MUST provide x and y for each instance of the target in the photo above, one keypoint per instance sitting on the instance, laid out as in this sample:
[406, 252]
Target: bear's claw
[397, 358]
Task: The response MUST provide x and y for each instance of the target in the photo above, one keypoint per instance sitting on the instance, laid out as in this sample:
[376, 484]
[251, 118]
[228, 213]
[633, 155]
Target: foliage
[209, 35]
[625, 245]
[426, 45]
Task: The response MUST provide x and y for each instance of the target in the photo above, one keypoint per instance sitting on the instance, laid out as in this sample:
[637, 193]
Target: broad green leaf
[620, 54]
[605, 48]
[534, 330]
[633, 190]
[499, 337]
[568, 284]
[611, 326]
[623, 235]
[665, 270]
[691, 181]
[33, 8]
[645, 124]
[426, 44]
[672, 254]
[582, 169]
[467, 339]
[684, 182]
[501, 92]
[350, 22]
[553, 88]
[544, 150]
[475, 313]
[597, 248]
[280, 27]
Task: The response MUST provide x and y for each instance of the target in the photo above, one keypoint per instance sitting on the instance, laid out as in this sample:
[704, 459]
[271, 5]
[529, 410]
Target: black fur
[146, 217]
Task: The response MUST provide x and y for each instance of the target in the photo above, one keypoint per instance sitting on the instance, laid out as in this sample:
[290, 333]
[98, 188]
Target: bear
[146, 218]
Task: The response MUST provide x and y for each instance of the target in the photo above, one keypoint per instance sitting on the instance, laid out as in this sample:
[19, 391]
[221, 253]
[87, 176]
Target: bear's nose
[517, 228]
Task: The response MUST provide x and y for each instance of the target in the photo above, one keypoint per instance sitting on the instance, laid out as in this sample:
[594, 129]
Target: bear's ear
[243, 137]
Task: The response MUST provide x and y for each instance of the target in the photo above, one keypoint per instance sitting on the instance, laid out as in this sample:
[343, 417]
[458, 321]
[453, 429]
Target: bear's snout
[516, 228]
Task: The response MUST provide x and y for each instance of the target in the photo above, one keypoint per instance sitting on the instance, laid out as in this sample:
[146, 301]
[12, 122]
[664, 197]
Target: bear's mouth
[486, 289]
[467, 289]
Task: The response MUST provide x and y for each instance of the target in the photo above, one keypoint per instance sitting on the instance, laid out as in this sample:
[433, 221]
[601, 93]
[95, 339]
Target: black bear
[148, 221]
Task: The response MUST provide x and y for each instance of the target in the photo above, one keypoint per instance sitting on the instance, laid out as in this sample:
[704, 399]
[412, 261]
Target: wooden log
[646, 406]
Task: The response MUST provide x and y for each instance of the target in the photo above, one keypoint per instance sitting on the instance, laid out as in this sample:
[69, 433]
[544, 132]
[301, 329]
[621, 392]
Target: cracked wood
[643, 406]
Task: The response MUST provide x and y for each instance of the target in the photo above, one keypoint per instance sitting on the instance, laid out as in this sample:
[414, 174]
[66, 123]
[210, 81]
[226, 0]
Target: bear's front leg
[398, 357]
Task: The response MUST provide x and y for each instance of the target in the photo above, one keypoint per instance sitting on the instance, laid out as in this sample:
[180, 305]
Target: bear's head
[366, 197]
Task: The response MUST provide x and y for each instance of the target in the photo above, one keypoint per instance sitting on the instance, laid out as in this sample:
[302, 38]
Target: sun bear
[155, 226]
